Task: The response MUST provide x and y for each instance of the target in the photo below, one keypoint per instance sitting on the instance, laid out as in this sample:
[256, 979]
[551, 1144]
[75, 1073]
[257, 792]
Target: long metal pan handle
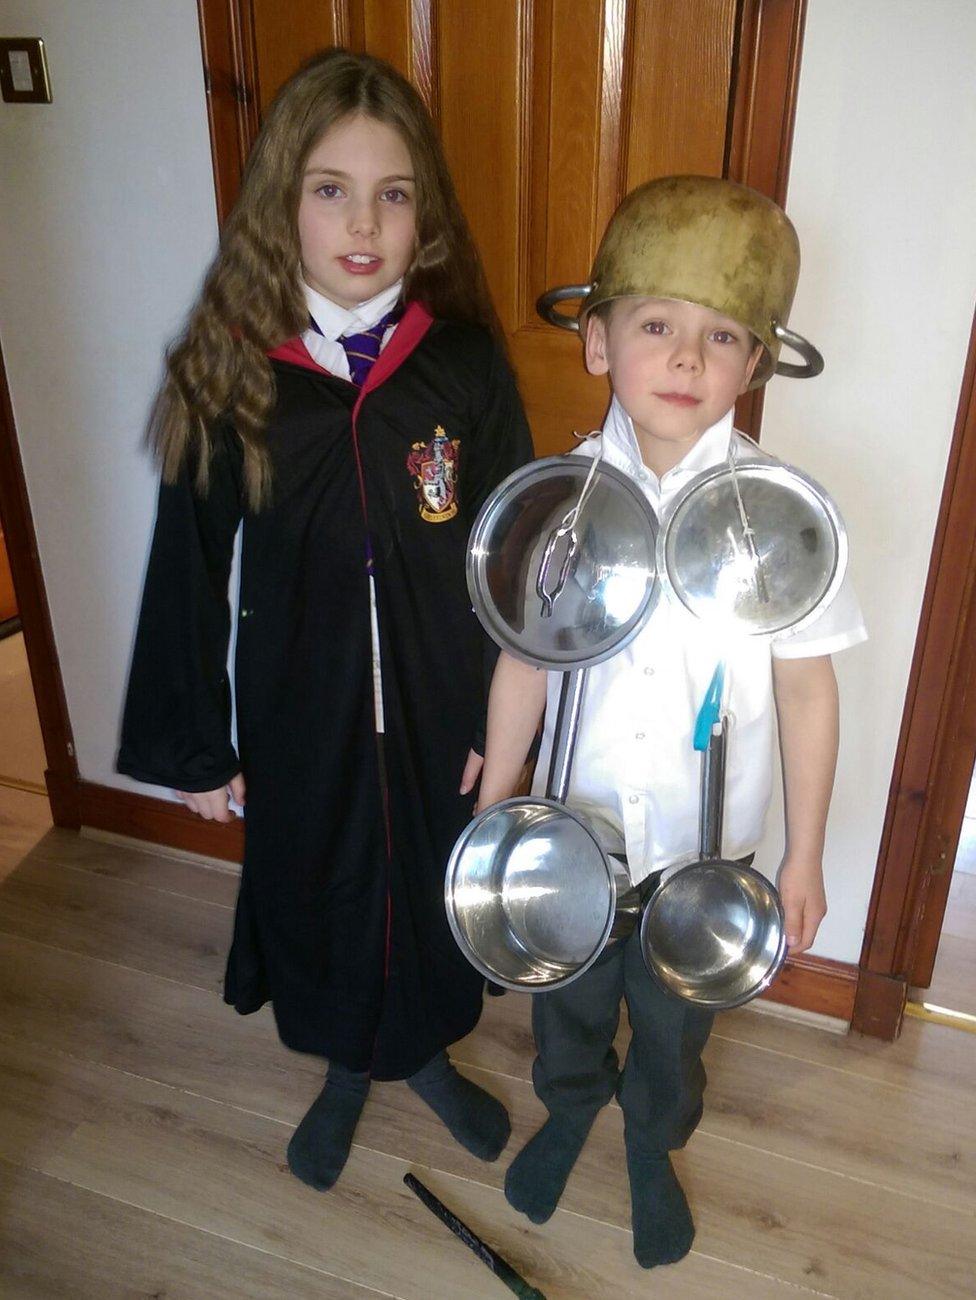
[564, 737]
[713, 794]
[813, 362]
[546, 305]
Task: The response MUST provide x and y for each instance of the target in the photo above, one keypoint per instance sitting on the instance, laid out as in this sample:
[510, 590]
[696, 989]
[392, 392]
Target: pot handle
[564, 736]
[713, 794]
[546, 305]
[813, 362]
[548, 597]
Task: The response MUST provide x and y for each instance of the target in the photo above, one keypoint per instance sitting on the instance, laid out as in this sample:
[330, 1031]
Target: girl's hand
[472, 770]
[212, 805]
[801, 889]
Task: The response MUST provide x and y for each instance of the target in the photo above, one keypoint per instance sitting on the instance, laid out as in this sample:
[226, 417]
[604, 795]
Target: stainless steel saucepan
[535, 890]
[713, 931]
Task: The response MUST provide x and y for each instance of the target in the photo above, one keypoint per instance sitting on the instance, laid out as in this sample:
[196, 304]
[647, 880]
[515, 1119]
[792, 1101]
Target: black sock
[661, 1220]
[538, 1174]
[474, 1117]
[320, 1145]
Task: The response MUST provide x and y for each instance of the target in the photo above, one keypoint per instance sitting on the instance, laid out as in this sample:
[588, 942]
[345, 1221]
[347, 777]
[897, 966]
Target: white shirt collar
[335, 321]
[621, 443]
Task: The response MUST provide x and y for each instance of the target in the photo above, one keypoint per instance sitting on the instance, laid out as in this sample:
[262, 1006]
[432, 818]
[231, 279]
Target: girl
[340, 388]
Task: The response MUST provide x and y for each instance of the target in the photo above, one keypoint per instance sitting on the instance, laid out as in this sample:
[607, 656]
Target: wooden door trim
[762, 113]
[937, 741]
[61, 775]
[230, 85]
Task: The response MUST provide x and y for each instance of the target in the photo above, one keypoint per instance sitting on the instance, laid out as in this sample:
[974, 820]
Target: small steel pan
[713, 932]
[533, 894]
[534, 890]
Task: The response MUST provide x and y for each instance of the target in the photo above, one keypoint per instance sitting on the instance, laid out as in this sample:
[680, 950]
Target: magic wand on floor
[500, 1267]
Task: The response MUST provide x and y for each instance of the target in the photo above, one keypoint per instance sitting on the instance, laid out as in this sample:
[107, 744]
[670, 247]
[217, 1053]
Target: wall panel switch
[23, 70]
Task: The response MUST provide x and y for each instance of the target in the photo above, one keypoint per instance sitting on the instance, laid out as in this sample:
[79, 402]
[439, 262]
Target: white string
[571, 516]
[747, 530]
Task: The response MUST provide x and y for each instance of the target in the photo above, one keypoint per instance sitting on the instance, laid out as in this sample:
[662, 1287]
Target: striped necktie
[362, 349]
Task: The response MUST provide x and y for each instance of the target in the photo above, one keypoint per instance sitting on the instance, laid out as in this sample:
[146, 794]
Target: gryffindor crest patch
[433, 466]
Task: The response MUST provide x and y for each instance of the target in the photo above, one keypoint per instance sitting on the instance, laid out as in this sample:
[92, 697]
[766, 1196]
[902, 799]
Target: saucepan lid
[754, 546]
[561, 562]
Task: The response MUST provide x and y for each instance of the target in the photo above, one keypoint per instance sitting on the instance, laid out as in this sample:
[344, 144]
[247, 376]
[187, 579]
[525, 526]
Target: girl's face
[357, 220]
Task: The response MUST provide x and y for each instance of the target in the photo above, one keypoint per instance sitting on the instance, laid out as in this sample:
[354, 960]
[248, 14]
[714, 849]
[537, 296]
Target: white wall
[883, 193]
[107, 219]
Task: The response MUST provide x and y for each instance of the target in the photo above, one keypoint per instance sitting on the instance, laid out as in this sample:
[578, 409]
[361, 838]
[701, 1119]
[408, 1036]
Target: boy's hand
[472, 770]
[801, 889]
[212, 805]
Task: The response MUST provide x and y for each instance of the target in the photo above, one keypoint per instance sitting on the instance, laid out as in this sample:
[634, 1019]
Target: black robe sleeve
[502, 443]
[176, 727]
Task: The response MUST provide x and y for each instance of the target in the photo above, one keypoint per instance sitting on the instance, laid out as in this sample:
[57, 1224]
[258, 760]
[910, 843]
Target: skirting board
[814, 984]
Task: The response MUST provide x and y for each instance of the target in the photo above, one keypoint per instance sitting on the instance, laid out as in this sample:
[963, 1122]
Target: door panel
[549, 110]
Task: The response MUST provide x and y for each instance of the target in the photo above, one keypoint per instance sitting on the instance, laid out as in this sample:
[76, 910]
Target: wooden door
[550, 111]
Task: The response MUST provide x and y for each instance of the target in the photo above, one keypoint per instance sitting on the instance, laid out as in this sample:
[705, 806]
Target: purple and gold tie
[362, 349]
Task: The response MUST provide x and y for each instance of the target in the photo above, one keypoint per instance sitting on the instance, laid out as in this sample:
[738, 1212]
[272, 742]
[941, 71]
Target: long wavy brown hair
[252, 298]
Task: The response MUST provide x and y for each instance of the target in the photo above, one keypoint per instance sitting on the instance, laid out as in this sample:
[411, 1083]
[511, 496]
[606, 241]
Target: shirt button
[640, 735]
[634, 799]
[648, 672]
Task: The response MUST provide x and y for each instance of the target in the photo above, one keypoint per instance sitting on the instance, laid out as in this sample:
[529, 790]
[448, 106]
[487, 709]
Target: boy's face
[676, 368]
[357, 216]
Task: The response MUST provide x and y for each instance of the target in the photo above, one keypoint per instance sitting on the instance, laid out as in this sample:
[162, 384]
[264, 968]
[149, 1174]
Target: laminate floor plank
[802, 1225]
[57, 1239]
[166, 934]
[24, 819]
[164, 870]
[826, 1164]
[196, 1162]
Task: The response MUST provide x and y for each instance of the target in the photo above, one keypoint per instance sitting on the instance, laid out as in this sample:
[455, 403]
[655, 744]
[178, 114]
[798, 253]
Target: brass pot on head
[703, 240]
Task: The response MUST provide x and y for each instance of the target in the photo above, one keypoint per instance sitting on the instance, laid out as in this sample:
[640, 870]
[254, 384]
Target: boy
[690, 288]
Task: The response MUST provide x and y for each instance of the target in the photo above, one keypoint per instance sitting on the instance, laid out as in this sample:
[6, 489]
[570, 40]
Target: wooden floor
[143, 1127]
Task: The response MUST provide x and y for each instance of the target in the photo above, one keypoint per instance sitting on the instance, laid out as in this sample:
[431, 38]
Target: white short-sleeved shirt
[634, 756]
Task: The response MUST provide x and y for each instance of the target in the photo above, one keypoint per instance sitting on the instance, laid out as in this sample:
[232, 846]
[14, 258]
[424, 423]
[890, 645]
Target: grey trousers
[576, 1071]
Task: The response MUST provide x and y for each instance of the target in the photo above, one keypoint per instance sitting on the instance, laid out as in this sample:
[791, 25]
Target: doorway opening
[950, 998]
[22, 761]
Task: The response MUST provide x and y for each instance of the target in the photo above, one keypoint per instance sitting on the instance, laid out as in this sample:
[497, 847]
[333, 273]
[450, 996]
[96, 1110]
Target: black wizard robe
[340, 917]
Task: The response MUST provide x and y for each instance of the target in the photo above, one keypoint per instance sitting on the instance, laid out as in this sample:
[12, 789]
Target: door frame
[935, 755]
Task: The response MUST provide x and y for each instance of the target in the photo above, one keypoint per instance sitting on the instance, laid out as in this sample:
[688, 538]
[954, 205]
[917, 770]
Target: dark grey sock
[661, 1220]
[320, 1145]
[474, 1117]
[537, 1176]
